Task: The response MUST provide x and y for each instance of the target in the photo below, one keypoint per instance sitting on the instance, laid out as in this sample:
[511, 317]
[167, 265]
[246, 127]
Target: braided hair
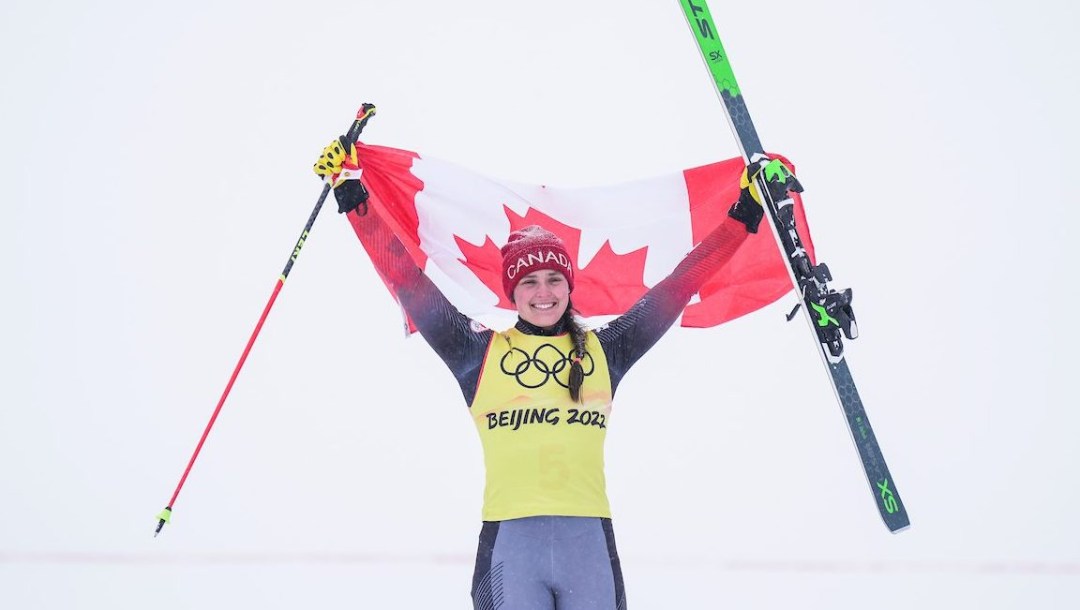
[577, 336]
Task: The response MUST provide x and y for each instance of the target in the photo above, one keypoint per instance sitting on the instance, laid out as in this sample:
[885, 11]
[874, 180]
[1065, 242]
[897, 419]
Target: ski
[828, 311]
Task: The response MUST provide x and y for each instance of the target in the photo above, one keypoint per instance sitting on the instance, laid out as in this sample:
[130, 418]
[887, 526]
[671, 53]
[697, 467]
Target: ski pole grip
[366, 112]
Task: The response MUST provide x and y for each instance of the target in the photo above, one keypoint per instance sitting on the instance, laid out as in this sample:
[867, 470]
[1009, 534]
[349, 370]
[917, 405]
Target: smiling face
[541, 297]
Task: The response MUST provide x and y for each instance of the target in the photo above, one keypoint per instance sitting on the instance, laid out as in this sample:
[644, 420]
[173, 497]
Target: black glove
[747, 209]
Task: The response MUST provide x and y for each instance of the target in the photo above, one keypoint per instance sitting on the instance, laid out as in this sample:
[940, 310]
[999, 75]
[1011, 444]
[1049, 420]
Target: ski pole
[366, 112]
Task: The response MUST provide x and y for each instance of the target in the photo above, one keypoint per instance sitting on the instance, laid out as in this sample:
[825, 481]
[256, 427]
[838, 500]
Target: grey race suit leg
[548, 563]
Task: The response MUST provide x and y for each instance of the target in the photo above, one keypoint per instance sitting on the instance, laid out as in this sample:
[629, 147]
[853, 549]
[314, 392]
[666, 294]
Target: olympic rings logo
[547, 362]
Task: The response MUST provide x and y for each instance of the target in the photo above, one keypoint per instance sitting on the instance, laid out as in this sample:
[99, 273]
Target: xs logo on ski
[888, 500]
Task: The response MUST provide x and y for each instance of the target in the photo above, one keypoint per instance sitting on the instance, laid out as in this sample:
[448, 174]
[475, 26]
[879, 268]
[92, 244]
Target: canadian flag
[623, 238]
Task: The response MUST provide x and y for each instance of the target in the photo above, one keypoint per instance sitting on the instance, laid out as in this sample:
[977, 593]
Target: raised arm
[628, 337]
[455, 338]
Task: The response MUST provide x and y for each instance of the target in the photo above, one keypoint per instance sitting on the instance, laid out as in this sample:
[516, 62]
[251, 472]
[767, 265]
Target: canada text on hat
[531, 249]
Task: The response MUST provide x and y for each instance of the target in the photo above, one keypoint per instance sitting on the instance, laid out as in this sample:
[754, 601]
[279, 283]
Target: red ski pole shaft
[366, 112]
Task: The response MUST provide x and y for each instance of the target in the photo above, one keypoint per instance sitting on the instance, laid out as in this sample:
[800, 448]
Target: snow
[155, 175]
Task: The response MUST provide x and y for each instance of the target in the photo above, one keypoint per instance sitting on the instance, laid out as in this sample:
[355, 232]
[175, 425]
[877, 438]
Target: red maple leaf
[608, 285]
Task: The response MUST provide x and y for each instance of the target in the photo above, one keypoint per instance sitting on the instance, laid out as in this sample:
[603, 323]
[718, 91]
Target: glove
[342, 170]
[332, 160]
[779, 180]
[747, 208]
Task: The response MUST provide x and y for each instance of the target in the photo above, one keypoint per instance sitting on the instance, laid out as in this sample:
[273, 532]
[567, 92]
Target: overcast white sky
[155, 173]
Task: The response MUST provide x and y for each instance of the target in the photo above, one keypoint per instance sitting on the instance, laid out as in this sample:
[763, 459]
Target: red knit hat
[531, 249]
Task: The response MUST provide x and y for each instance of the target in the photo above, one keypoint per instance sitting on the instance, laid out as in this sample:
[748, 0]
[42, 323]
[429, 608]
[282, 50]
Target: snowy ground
[155, 174]
[337, 582]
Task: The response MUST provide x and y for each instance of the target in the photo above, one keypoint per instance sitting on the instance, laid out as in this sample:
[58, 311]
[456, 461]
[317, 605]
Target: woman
[540, 395]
